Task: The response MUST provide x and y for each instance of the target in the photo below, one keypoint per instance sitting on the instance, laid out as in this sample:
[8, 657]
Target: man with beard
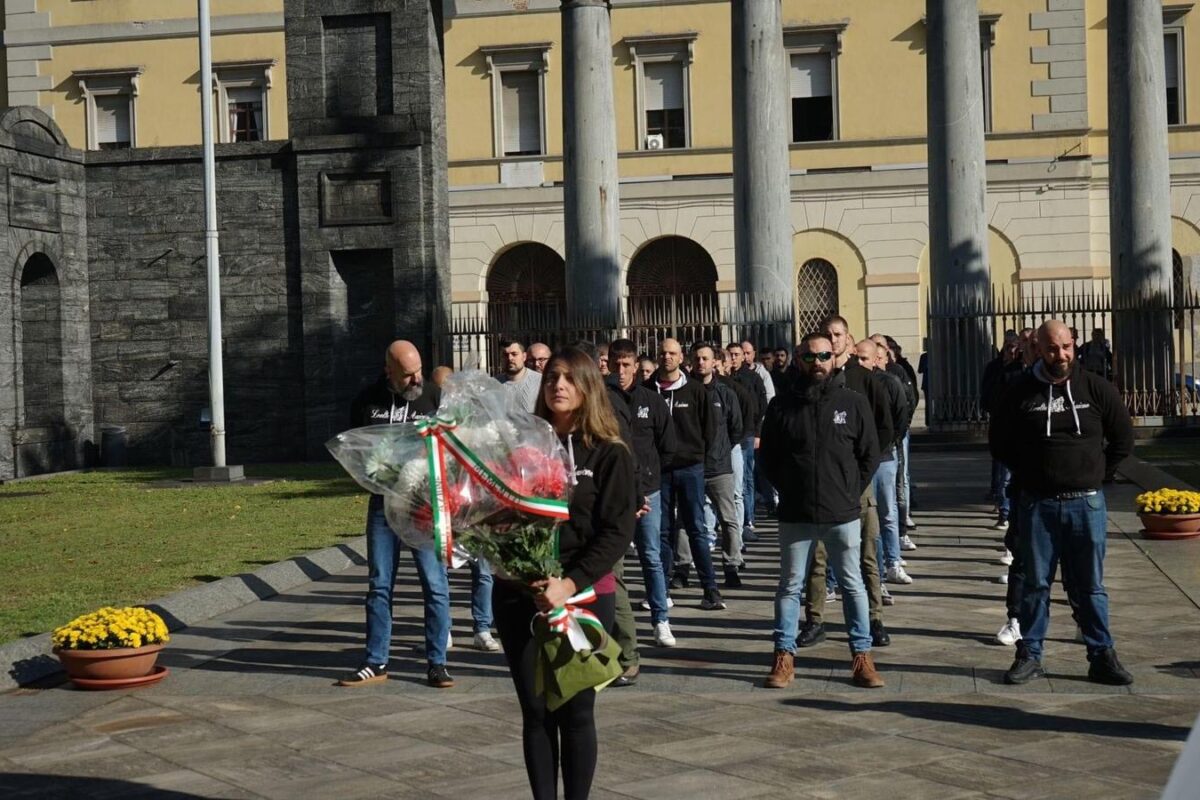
[819, 447]
[522, 381]
[1049, 428]
[399, 396]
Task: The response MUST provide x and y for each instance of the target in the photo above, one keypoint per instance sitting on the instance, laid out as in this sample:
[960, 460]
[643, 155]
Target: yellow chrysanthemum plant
[109, 628]
[1168, 501]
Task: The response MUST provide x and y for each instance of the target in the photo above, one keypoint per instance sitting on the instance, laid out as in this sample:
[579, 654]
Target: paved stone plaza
[250, 710]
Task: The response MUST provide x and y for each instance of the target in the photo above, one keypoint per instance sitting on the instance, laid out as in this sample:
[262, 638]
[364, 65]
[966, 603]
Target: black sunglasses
[809, 358]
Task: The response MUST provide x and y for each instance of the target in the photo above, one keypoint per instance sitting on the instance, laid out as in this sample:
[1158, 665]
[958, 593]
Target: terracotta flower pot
[1170, 523]
[115, 664]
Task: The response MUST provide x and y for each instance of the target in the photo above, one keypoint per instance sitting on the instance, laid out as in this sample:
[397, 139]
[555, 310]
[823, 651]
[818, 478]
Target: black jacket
[653, 432]
[727, 410]
[897, 400]
[858, 379]
[695, 426]
[379, 405]
[910, 392]
[819, 450]
[997, 375]
[752, 415]
[603, 504]
[904, 364]
[1051, 450]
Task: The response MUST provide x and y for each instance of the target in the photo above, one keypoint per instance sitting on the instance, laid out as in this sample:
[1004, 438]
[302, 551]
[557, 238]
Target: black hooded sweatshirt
[819, 450]
[718, 457]
[377, 404]
[695, 424]
[1052, 437]
[653, 432]
[603, 504]
[859, 379]
[756, 393]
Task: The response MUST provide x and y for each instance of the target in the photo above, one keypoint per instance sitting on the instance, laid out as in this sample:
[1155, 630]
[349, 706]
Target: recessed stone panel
[362, 199]
[33, 203]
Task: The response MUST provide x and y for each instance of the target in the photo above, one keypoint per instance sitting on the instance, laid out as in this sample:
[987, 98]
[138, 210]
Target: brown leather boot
[783, 672]
[863, 672]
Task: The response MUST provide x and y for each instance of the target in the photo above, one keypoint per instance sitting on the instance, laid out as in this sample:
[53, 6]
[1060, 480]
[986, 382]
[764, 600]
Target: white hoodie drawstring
[571, 456]
[1070, 400]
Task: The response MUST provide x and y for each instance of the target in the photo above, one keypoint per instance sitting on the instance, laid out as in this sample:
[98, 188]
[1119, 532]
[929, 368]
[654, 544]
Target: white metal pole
[216, 370]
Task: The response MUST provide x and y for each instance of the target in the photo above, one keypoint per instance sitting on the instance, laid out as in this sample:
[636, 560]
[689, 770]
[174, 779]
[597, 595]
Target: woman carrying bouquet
[602, 517]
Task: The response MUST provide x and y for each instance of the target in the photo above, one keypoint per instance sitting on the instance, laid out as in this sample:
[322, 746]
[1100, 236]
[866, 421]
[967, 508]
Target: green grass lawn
[73, 543]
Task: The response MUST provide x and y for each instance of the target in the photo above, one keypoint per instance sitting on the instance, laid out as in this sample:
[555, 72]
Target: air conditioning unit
[655, 141]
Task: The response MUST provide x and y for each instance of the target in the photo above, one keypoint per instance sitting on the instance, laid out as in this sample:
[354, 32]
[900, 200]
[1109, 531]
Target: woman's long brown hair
[594, 419]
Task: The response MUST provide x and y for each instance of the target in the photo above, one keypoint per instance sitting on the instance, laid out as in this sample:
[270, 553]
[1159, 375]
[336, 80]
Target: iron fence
[476, 331]
[1153, 344]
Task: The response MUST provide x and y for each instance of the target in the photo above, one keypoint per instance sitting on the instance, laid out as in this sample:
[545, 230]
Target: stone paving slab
[250, 709]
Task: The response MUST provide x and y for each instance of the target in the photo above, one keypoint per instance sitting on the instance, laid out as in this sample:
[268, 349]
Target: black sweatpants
[566, 736]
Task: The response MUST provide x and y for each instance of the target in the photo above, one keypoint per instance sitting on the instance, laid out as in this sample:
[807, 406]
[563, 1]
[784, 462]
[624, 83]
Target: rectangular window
[812, 97]
[521, 108]
[1171, 54]
[112, 122]
[665, 115]
[245, 109]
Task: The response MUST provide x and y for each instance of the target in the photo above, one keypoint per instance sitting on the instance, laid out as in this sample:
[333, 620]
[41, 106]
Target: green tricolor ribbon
[568, 620]
[440, 439]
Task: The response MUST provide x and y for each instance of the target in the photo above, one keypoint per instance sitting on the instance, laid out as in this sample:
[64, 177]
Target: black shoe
[439, 677]
[1024, 669]
[811, 633]
[748, 535]
[879, 635]
[732, 579]
[677, 581]
[365, 675]
[628, 677]
[712, 600]
[1105, 668]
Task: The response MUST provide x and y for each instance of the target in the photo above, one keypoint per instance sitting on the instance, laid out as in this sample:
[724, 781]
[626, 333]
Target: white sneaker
[888, 600]
[1010, 634]
[910, 524]
[830, 596]
[663, 636]
[486, 642]
[897, 574]
[1001, 525]
[906, 543]
[902, 563]
[1003, 578]
[1007, 558]
[646, 604]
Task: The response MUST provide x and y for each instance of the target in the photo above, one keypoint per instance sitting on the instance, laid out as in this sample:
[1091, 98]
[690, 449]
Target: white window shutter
[664, 86]
[112, 119]
[811, 75]
[522, 112]
[1171, 52]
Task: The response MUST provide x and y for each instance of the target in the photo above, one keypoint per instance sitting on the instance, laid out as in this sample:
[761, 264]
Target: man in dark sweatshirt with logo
[653, 443]
[401, 395]
[683, 474]
[819, 448]
[1050, 428]
[721, 482]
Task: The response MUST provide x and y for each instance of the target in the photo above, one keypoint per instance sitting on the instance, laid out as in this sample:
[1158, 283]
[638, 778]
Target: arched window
[527, 289]
[672, 292]
[41, 343]
[816, 294]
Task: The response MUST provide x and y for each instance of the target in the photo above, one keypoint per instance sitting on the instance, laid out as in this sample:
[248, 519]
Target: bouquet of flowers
[484, 478]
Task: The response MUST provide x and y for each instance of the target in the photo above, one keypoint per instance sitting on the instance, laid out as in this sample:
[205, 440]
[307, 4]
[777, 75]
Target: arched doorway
[45, 436]
[816, 294]
[672, 292]
[527, 290]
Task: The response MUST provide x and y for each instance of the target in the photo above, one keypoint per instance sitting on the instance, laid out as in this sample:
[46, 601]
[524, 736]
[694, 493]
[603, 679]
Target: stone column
[762, 195]
[958, 258]
[1139, 204]
[591, 201]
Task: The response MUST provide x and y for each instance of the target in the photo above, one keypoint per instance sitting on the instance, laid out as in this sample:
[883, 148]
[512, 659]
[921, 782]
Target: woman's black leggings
[567, 735]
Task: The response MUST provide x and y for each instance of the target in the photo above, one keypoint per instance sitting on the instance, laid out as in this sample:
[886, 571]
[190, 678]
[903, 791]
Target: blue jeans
[842, 543]
[1072, 531]
[1000, 478]
[889, 514]
[383, 558]
[648, 537]
[748, 481]
[683, 491]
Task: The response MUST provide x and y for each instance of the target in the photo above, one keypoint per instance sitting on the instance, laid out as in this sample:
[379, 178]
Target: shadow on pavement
[14, 785]
[1003, 718]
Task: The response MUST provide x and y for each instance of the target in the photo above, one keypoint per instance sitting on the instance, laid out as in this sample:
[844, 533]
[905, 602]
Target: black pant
[567, 735]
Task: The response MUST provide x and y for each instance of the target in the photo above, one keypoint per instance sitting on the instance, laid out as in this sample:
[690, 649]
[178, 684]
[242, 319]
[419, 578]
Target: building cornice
[134, 30]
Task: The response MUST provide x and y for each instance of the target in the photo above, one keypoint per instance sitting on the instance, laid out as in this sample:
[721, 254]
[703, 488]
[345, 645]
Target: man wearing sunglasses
[820, 449]
[859, 379]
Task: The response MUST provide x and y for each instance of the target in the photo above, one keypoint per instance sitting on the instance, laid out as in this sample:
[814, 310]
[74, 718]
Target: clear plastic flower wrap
[482, 469]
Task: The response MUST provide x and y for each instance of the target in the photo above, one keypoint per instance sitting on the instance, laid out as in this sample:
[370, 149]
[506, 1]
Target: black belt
[1073, 495]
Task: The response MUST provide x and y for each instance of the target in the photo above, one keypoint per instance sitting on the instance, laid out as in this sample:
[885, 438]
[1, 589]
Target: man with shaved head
[682, 491]
[401, 395]
[1062, 432]
[539, 356]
